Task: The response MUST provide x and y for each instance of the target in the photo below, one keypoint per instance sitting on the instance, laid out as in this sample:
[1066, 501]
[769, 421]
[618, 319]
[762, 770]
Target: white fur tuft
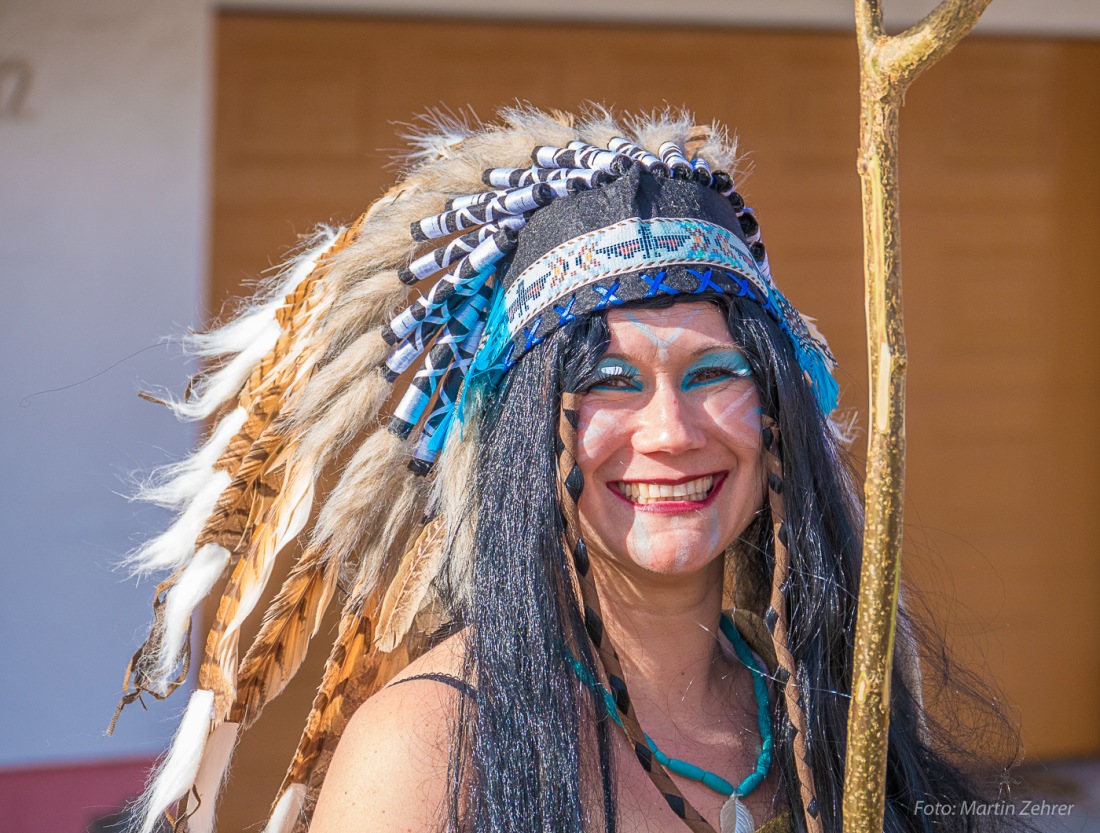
[174, 547]
[211, 776]
[215, 390]
[193, 585]
[175, 485]
[435, 133]
[176, 773]
[287, 810]
[248, 339]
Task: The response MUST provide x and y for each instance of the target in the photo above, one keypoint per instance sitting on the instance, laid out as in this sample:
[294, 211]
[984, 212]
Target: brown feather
[407, 591]
[284, 496]
[288, 625]
[228, 523]
[271, 387]
[353, 673]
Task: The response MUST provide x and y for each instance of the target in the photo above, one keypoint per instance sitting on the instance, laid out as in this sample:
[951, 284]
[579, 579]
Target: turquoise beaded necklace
[690, 770]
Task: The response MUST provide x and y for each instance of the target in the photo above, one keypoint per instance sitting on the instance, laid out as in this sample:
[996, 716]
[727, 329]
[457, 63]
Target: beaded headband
[583, 230]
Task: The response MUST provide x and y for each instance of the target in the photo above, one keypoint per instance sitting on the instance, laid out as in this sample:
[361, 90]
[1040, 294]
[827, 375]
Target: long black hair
[532, 752]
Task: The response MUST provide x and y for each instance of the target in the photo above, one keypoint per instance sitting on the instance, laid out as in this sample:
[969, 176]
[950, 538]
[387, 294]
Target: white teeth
[694, 490]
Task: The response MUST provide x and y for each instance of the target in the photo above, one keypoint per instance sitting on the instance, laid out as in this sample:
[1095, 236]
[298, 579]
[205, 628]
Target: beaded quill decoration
[301, 377]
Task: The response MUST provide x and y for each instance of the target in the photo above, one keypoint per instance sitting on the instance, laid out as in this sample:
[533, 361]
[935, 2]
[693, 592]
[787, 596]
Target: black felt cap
[635, 194]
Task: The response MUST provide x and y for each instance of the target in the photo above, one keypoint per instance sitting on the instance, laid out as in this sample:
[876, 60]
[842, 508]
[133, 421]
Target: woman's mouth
[676, 497]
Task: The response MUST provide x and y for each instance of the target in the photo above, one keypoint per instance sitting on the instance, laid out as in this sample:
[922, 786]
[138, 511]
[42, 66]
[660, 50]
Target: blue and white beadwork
[633, 245]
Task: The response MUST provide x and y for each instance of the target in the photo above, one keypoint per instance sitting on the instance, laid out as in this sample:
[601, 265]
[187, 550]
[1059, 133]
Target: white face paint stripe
[662, 344]
[737, 404]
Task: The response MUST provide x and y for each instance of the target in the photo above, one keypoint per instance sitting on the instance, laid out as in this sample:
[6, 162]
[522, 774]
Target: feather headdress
[299, 381]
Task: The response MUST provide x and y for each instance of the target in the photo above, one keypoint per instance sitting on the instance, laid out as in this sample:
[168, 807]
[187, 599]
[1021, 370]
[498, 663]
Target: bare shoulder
[389, 772]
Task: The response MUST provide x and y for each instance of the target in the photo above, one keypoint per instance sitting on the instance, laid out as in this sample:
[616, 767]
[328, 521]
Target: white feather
[190, 589]
[287, 810]
[211, 776]
[174, 547]
[238, 334]
[175, 485]
[216, 389]
[301, 486]
[234, 337]
[176, 773]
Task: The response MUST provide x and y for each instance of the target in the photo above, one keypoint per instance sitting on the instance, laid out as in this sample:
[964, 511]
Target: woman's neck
[665, 630]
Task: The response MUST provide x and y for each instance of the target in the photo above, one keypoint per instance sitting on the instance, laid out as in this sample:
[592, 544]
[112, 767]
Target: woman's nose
[667, 423]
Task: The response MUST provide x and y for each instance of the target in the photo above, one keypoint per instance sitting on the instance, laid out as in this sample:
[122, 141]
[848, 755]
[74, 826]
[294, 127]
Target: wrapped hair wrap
[512, 230]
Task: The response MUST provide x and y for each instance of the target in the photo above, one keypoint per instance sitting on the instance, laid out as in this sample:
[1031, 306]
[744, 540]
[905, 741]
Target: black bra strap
[446, 679]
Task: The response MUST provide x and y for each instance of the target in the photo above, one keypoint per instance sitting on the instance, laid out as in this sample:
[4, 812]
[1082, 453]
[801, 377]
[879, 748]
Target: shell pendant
[735, 817]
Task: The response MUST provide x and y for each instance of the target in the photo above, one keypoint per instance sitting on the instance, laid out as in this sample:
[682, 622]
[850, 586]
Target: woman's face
[669, 441]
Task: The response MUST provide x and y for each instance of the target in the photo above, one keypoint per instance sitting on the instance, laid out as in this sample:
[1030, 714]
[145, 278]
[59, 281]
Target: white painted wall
[103, 213]
[102, 251]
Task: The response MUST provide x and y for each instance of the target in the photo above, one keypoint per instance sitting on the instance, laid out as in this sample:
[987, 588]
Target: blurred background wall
[156, 155]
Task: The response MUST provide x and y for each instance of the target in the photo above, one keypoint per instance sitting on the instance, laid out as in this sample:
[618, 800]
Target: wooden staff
[888, 65]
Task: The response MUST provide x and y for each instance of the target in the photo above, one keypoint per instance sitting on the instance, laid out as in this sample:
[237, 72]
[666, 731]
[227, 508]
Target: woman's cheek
[597, 435]
[738, 415]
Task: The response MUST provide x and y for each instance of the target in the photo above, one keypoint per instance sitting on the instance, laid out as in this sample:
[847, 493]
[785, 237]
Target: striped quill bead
[648, 160]
[464, 278]
[401, 358]
[591, 157]
[438, 421]
[467, 200]
[672, 156]
[749, 225]
[512, 202]
[463, 246]
[702, 171]
[723, 183]
[446, 351]
[517, 177]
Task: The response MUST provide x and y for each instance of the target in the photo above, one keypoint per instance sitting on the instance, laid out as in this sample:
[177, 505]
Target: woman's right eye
[618, 381]
[615, 375]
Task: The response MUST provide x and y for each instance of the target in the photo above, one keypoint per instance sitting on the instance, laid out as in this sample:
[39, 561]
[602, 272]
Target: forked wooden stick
[888, 65]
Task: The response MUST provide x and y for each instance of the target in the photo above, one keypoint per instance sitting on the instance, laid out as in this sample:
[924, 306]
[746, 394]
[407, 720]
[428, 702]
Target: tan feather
[272, 382]
[284, 520]
[288, 625]
[407, 591]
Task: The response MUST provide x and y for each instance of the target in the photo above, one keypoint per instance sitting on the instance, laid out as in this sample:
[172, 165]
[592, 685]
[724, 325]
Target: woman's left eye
[714, 372]
[710, 374]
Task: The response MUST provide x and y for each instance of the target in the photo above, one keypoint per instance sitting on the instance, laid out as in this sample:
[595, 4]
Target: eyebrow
[714, 348]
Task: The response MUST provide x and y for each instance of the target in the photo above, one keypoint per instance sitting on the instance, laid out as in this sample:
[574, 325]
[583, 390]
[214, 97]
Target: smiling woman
[669, 441]
[602, 557]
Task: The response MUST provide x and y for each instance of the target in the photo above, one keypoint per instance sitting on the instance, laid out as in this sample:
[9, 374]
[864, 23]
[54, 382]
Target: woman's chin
[671, 554]
[670, 563]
